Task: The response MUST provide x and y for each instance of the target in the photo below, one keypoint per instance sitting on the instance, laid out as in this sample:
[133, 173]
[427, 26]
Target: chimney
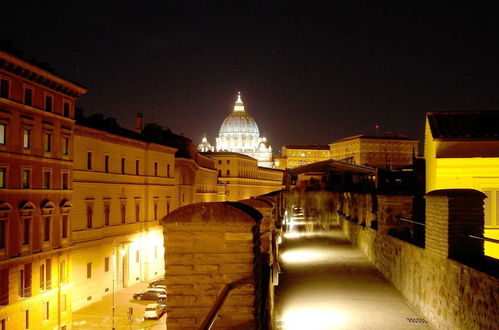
[138, 123]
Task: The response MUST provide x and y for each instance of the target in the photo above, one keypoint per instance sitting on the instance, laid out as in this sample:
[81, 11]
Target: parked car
[160, 281]
[154, 311]
[150, 294]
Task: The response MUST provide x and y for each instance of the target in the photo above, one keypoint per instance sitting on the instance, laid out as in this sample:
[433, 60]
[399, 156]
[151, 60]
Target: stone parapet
[209, 246]
[452, 215]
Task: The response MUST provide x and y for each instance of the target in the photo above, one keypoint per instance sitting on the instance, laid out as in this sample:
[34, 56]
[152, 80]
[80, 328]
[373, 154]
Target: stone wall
[210, 245]
[449, 294]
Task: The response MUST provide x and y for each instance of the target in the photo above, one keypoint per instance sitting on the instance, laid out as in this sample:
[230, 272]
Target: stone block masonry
[208, 246]
[450, 294]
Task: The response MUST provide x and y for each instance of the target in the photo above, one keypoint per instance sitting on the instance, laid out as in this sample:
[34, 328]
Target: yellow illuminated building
[242, 176]
[293, 155]
[381, 151]
[462, 151]
[195, 179]
[122, 187]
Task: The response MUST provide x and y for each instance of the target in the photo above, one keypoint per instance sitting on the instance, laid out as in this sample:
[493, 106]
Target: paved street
[98, 314]
[326, 283]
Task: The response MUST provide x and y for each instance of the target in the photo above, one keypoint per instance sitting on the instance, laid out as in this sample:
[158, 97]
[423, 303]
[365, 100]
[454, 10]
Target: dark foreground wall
[209, 245]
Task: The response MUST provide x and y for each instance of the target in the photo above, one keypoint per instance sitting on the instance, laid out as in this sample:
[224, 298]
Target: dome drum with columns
[239, 133]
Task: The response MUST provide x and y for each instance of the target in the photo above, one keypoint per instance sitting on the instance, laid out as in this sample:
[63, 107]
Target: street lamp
[115, 243]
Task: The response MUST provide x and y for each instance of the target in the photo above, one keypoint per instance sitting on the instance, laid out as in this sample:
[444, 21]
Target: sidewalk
[326, 283]
[99, 314]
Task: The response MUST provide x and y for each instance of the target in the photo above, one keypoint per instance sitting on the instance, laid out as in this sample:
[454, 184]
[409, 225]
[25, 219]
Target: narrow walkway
[326, 283]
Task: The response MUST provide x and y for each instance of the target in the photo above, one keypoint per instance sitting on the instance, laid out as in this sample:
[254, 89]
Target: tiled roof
[307, 146]
[476, 125]
[377, 137]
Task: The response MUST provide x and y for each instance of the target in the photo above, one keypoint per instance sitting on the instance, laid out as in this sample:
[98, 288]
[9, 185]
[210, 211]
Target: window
[168, 170]
[66, 109]
[155, 210]
[89, 270]
[26, 179]
[48, 271]
[137, 167]
[25, 281]
[62, 271]
[65, 145]
[46, 228]
[106, 264]
[46, 180]
[219, 172]
[3, 177]
[106, 163]
[228, 172]
[2, 236]
[46, 312]
[4, 88]
[26, 138]
[89, 216]
[219, 161]
[2, 133]
[137, 256]
[123, 213]
[155, 168]
[89, 160]
[137, 212]
[42, 277]
[122, 165]
[48, 103]
[106, 214]
[26, 231]
[167, 207]
[28, 96]
[47, 142]
[65, 181]
[65, 226]
[228, 161]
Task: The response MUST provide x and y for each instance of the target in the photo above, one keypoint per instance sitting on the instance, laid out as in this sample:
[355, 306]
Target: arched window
[47, 211]
[5, 209]
[65, 207]
[26, 211]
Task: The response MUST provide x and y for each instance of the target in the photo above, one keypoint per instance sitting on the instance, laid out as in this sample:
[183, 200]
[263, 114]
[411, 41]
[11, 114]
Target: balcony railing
[4, 298]
[25, 292]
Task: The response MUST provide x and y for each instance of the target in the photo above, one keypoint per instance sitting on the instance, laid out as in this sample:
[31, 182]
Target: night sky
[309, 72]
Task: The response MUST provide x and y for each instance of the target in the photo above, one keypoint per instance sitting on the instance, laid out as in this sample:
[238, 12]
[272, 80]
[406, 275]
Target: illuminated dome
[239, 133]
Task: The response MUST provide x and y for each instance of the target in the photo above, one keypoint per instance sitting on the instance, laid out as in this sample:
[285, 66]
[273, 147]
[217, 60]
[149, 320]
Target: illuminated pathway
[328, 284]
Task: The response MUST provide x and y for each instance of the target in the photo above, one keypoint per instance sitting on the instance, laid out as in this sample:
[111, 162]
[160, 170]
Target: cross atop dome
[239, 106]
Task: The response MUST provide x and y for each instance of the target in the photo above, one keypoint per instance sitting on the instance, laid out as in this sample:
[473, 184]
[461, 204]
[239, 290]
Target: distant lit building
[381, 151]
[242, 177]
[462, 151]
[239, 133]
[36, 206]
[293, 155]
[205, 146]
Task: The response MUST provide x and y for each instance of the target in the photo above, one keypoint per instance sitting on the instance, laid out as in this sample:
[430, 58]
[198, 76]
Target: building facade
[293, 155]
[239, 133]
[122, 187]
[243, 178]
[462, 151]
[381, 151]
[36, 169]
